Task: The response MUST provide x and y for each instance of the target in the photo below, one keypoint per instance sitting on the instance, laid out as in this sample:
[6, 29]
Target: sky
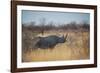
[55, 17]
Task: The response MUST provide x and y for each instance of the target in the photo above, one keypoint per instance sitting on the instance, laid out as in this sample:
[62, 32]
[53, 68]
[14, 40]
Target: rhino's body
[49, 41]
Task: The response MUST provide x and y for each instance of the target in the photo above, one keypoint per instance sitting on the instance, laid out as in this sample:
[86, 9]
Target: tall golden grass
[75, 48]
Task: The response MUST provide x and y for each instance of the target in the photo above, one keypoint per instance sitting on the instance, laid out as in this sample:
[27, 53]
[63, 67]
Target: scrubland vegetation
[76, 46]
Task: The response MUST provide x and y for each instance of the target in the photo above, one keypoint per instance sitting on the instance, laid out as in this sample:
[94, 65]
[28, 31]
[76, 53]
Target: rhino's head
[62, 39]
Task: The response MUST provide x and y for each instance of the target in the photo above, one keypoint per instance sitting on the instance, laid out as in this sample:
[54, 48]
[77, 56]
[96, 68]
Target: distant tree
[85, 25]
[50, 26]
[42, 25]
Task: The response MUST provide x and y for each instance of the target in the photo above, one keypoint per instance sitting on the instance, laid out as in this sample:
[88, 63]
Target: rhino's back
[47, 42]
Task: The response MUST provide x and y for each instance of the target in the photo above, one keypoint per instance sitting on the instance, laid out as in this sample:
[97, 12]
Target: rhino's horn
[66, 36]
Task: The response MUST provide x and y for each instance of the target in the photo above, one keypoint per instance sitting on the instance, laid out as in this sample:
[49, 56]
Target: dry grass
[75, 48]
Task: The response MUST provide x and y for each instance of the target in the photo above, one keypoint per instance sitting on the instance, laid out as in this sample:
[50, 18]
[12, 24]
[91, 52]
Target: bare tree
[42, 24]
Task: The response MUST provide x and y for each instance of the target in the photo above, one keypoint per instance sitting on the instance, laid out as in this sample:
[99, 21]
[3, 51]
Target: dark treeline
[51, 26]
